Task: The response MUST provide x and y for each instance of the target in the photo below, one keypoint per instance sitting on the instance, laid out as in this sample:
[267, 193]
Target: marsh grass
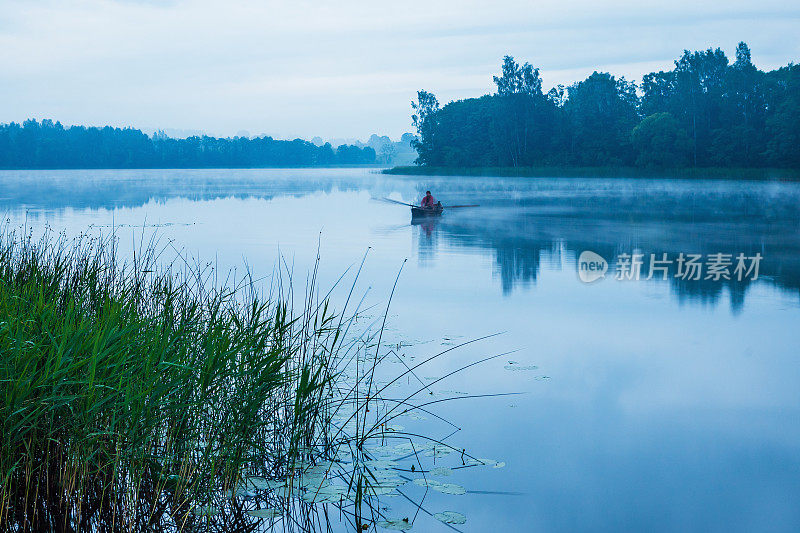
[149, 395]
[131, 393]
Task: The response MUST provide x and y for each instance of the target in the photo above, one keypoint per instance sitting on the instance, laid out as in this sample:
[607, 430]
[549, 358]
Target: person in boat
[429, 202]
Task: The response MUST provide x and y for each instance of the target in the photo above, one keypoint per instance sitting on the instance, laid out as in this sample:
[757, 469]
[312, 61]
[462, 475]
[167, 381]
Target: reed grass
[148, 395]
[133, 392]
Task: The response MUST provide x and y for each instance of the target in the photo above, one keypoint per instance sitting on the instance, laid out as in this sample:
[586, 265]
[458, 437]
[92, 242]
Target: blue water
[656, 405]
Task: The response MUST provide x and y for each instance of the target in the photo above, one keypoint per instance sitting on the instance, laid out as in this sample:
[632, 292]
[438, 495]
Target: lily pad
[396, 525]
[451, 488]
[260, 483]
[204, 510]
[326, 494]
[451, 517]
[492, 463]
[441, 471]
[519, 368]
[264, 513]
[444, 488]
[380, 464]
[438, 451]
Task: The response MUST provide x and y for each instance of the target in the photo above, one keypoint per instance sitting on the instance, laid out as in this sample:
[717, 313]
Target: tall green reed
[147, 395]
[131, 392]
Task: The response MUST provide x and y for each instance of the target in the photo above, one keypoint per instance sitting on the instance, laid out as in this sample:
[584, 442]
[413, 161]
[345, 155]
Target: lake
[657, 404]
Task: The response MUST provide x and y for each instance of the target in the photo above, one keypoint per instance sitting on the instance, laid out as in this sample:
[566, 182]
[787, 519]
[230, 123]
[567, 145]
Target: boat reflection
[523, 241]
[426, 238]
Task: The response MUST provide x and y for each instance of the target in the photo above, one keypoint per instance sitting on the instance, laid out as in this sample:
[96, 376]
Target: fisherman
[429, 202]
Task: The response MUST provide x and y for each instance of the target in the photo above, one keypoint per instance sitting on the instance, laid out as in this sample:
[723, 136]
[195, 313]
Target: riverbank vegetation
[49, 145]
[131, 396]
[778, 174]
[706, 112]
[143, 396]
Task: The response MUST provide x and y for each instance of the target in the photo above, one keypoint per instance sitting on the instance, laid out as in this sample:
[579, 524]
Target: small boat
[420, 212]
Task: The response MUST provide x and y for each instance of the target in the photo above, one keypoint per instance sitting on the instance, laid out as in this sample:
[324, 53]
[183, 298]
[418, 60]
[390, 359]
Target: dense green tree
[522, 123]
[696, 97]
[659, 141]
[731, 114]
[783, 121]
[601, 111]
[518, 80]
[426, 109]
[48, 144]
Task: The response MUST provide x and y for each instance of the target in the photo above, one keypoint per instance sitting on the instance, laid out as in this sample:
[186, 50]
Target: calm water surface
[660, 405]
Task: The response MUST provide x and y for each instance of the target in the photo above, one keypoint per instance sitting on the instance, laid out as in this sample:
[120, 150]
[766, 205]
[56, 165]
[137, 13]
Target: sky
[343, 69]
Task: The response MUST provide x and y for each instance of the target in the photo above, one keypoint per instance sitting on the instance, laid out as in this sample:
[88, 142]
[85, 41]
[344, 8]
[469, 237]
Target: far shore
[777, 174]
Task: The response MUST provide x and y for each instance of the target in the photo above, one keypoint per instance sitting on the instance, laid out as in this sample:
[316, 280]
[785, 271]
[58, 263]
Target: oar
[394, 201]
[412, 205]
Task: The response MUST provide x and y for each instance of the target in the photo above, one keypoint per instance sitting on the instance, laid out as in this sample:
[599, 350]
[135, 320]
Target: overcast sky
[338, 69]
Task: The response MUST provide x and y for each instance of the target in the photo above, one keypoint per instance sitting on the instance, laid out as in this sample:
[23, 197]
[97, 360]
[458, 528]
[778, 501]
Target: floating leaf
[518, 368]
[438, 451]
[264, 513]
[260, 483]
[445, 488]
[380, 490]
[240, 492]
[204, 510]
[320, 469]
[451, 517]
[441, 471]
[326, 494]
[492, 463]
[380, 464]
[451, 488]
[396, 525]
[484, 462]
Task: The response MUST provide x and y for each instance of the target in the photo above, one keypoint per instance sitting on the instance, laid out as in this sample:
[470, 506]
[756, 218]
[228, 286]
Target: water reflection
[522, 223]
[555, 226]
[655, 416]
[426, 239]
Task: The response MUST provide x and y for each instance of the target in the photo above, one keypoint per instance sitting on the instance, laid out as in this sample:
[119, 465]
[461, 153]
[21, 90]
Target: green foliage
[733, 115]
[601, 111]
[131, 395]
[783, 126]
[660, 142]
[425, 119]
[48, 144]
[518, 80]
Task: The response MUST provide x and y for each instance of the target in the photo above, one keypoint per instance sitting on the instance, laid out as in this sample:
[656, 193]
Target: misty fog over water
[656, 404]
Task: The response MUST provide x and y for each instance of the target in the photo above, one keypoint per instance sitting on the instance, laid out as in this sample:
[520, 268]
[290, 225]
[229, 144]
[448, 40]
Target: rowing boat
[420, 212]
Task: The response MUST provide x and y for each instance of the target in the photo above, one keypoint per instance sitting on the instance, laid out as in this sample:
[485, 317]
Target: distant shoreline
[761, 174]
[275, 167]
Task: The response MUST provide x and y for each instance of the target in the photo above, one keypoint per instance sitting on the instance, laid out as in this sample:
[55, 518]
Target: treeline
[48, 144]
[705, 112]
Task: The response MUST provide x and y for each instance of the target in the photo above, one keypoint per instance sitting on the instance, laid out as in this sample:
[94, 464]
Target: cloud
[342, 68]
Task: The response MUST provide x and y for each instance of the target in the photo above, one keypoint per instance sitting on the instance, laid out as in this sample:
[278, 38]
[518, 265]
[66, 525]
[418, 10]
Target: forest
[705, 112]
[46, 144]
